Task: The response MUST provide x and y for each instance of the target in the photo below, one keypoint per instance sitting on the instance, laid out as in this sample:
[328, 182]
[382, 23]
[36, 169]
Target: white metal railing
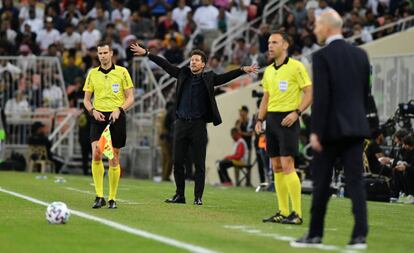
[397, 26]
[36, 78]
[226, 40]
[61, 122]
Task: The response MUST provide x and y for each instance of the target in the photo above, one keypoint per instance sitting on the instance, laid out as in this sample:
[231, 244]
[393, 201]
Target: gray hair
[331, 18]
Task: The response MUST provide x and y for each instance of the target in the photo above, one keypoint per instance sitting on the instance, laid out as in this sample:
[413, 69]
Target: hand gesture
[98, 115]
[259, 127]
[114, 115]
[251, 69]
[137, 49]
[290, 119]
[315, 143]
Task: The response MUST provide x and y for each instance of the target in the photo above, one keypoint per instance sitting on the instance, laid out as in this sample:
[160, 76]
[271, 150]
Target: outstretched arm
[227, 77]
[163, 63]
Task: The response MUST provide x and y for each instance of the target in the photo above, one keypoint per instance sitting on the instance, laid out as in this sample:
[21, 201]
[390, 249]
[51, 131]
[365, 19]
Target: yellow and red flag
[105, 143]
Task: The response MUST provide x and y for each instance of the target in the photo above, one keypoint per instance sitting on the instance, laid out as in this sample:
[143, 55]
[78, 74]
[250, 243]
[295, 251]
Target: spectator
[71, 72]
[17, 105]
[238, 158]
[323, 7]
[179, 14]
[112, 32]
[91, 36]
[36, 24]
[309, 45]
[72, 15]
[244, 127]
[159, 7]
[216, 65]
[58, 23]
[240, 52]
[206, 16]
[222, 21]
[75, 93]
[237, 14]
[143, 28]
[8, 7]
[39, 137]
[70, 38]
[263, 38]
[52, 94]
[93, 13]
[299, 12]
[173, 35]
[189, 27]
[254, 57]
[102, 19]
[174, 54]
[48, 36]
[31, 5]
[120, 15]
[374, 153]
[8, 33]
[407, 167]
[167, 24]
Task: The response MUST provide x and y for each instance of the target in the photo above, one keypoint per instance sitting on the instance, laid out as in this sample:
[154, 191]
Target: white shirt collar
[332, 38]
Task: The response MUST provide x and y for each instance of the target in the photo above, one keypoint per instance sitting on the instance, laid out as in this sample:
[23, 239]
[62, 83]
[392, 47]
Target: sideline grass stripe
[131, 230]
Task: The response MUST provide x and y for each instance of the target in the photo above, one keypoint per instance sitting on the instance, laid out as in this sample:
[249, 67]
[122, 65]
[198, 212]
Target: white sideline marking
[276, 236]
[128, 202]
[121, 227]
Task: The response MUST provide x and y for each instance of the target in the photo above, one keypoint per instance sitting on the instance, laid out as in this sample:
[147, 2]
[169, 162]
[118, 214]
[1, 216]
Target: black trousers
[350, 153]
[190, 134]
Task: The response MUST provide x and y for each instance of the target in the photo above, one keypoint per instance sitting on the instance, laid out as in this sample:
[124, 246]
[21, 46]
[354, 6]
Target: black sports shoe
[277, 218]
[357, 243]
[112, 204]
[293, 219]
[198, 201]
[307, 242]
[177, 199]
[99, 202]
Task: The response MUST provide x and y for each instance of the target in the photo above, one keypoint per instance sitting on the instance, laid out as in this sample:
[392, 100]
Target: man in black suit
[195, 106]
[339, 126]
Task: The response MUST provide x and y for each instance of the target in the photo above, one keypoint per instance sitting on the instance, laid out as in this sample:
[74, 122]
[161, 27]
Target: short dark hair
[400, 134]
[200, 53]
[103, 44]
[283, 34]
[234, 130]
[409, 140]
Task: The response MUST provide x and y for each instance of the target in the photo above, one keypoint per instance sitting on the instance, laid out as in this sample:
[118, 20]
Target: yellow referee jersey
[284, 85]
[108, 87]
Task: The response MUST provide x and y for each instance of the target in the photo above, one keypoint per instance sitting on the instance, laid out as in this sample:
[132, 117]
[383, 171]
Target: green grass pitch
[229, 220]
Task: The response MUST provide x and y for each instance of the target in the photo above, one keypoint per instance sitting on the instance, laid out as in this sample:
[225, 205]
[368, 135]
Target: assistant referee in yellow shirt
[112, 88]
[283, 84]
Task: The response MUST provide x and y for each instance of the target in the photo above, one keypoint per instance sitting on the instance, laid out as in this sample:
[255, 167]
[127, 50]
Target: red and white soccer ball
[57, 213]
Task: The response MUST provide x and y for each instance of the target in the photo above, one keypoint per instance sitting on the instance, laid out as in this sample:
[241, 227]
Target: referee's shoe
[99, 202]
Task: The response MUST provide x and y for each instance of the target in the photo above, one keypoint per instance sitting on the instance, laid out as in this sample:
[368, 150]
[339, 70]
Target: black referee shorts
[280, 140]
[118, 129]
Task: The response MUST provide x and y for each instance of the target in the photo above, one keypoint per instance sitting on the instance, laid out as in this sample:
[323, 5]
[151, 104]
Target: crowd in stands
[71, 29]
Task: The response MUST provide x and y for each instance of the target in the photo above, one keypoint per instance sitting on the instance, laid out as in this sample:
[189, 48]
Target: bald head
[327, 24]
[331, 18]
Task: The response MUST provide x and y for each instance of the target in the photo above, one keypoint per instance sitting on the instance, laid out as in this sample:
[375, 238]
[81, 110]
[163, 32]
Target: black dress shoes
[198, 201]
[177, 199]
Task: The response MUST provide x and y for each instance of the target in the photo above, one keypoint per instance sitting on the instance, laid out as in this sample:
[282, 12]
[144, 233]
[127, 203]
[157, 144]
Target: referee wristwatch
[299, 112]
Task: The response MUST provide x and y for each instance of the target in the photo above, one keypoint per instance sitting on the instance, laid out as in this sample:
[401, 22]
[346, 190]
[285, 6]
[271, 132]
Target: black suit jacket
[210, 79]
[340, 92]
